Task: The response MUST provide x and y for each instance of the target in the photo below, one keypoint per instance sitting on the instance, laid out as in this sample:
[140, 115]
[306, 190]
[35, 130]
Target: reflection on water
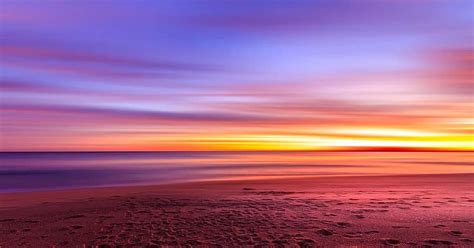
[40, 171]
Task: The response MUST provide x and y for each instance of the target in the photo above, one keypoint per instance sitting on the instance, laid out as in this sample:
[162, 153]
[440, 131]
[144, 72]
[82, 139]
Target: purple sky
[205, 75]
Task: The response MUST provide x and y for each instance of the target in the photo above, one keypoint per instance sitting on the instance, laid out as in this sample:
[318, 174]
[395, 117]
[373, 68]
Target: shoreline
[19, 197]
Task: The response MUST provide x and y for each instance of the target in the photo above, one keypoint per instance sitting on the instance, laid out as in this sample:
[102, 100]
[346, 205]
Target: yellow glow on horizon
[391, 132]
[302, 142]
[279, 139]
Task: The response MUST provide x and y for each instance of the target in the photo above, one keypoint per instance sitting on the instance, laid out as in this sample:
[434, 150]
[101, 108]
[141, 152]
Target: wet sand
[404, 211]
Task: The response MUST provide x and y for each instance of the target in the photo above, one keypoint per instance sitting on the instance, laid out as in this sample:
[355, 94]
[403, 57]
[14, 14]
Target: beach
[349, 211]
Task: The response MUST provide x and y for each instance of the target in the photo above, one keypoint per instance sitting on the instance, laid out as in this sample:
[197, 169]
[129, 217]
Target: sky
[104, 75]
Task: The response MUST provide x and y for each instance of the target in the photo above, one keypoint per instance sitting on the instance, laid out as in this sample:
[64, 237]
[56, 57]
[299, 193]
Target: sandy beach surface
[404, 211]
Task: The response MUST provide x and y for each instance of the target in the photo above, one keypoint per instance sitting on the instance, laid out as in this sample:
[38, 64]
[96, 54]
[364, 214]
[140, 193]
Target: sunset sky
[236, 75]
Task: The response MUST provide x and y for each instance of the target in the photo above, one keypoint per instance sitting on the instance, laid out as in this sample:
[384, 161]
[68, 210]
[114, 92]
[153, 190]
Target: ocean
[38, 171]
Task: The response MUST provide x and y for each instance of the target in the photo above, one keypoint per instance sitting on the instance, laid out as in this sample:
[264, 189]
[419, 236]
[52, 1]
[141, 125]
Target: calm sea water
[44, 171]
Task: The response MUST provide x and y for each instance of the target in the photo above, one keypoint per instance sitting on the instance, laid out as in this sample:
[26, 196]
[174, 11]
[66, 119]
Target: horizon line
[375, 149]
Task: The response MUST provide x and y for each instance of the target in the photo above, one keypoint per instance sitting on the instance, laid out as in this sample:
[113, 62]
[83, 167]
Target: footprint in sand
[306, 243]
[359, 216]
[325, 232]
[353, 235]
[437, 242]
[248, 189]
[390, 241]
[456, 233]
[193, 243]
[280, 242]
[75, 216]
[343, 224]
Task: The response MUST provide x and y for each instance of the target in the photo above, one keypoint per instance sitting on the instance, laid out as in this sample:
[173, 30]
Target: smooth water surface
[43, 171]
